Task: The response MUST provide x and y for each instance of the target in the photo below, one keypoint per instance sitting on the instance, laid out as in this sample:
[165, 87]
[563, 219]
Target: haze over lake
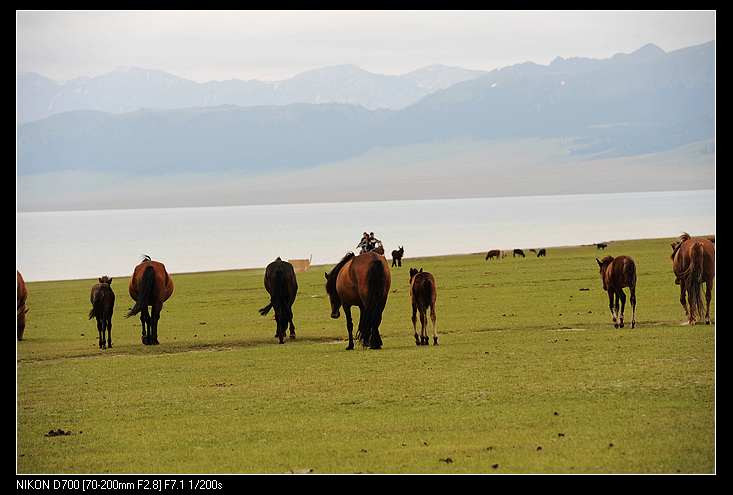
[87, 244]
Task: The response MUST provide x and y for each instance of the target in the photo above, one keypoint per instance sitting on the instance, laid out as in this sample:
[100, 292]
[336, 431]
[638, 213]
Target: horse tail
[694, 280]
[375, 302]
[146, 290]
[630, 273]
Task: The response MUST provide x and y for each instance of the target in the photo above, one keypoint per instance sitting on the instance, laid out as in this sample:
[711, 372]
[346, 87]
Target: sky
[276, 45]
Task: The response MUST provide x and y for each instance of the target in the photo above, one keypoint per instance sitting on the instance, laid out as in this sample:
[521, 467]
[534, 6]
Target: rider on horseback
[368, 242]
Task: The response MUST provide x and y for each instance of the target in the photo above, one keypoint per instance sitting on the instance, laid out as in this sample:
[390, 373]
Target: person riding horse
[368, 242]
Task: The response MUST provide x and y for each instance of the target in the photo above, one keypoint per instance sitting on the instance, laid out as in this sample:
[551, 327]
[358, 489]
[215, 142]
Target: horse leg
[423, 322]
[100, 330]
[683, 302]
[708, 296]
[414, 324]
[632, 300]
[145, 320]
[375, 342]
[109, 331]
[616, 307]
[610, 306]
[399, 262]
[349, 327]
[157, 307]
[292, 328]
[621, 296]
[435, 325]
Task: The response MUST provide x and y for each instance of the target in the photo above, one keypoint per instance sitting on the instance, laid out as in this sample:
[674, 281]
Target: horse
[379, 249]
[517, 252]
[601, 245]
[693, 262]
[21, 296]
[362, 281]
[281, 284]
[150, 285]
[494, 253]
[103, 304]
[533, 251]
[617, 273]
[397, 256]
[541, 252]
[423, 292]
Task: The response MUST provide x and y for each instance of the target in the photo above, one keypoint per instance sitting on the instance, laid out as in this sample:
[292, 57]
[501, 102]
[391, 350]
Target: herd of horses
[364, 281]
[497, 253]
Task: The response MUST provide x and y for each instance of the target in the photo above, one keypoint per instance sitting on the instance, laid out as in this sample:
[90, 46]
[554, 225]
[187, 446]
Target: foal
[617, 273]
[103, 304]
[423, 292]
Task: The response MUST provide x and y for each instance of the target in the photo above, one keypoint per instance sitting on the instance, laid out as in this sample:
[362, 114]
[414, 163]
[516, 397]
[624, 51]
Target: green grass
[519, 343]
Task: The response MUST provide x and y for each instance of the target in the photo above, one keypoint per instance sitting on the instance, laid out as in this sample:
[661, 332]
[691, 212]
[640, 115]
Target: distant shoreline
[328, 265]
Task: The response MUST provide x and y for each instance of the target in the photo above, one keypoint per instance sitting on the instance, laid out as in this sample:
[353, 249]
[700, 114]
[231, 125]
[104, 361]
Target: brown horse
[397, 255]
[494, 253]
[103, 305]
[423, 292]
[617, 273]
[361, 281]
[281, 284]
[693, 262]
[21, 296]
[150, 285]
[517, 252]
[541, 252]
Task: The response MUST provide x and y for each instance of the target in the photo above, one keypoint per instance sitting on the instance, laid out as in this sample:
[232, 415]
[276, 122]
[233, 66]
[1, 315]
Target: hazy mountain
[129, 89]
[642, 102]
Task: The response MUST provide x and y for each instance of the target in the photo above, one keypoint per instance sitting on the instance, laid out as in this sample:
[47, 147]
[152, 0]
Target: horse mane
[331, 282]
[606, 260]
[676, 245]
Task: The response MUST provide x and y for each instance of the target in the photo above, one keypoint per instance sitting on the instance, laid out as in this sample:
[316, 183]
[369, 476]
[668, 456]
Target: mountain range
[131, 88]
[642, 102]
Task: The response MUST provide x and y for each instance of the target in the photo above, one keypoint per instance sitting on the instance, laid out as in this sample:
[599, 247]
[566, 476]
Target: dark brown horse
[103, 305]
[494, 253]
[150, 285]
[397, 256]
[541, 252]
[601, 245]
[617, 273]
[423, 292]
[693, 262]
[517, 252]
[361, 281]
[21, 295]
[281, 284]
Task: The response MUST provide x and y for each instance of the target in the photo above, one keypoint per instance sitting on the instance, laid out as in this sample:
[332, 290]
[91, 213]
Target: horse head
[603, 264]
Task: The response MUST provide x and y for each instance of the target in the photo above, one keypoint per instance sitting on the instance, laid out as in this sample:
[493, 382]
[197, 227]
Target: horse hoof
[350, 347]
[292, 337]
[435, 340]
[615, 325]
[633, 324]
[621, 325]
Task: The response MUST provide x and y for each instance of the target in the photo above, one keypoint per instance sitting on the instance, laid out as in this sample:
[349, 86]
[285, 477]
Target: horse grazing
[150, 285]
[21, 295]
[494, 253]
[693, 262]
[103, 304]
[361, 281]
[617, 273]
[281, 284]
[423, 292]
[518, 252]
[541, 252]
[397, 256]
[601, 245]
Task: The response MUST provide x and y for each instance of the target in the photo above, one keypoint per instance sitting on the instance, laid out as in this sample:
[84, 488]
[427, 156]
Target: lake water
[86, 244]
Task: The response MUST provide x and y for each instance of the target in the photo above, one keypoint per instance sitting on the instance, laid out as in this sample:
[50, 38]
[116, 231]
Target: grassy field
[530, 376]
